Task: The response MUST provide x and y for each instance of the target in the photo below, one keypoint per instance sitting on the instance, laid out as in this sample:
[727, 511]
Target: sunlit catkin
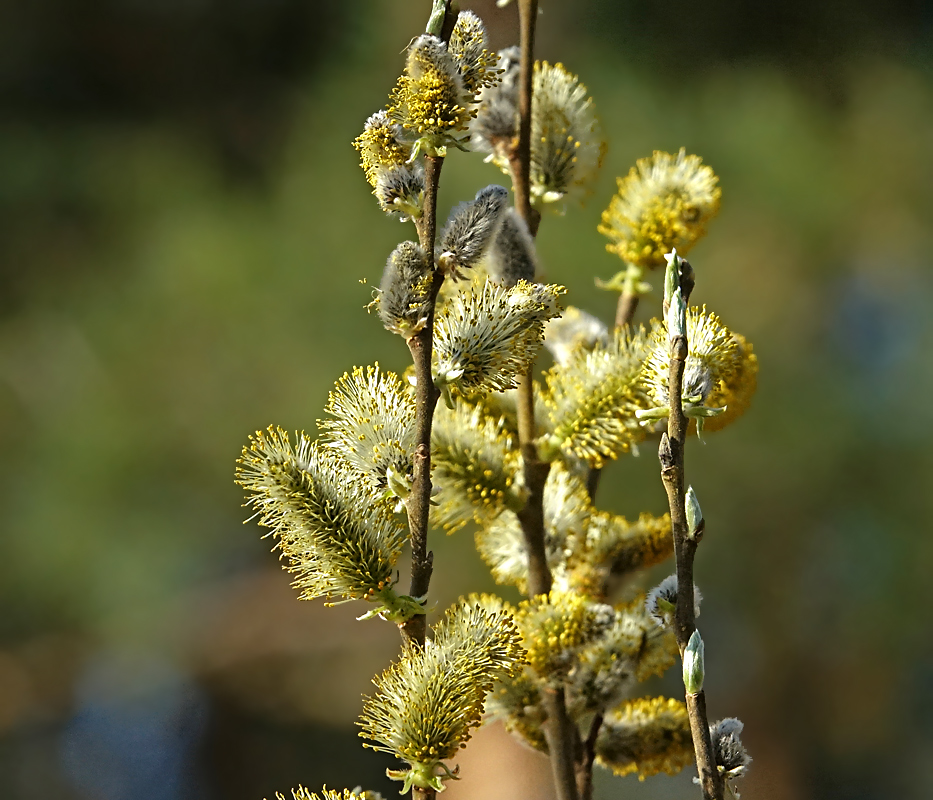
[574, 329]
[567, 146]
[720, 368]
[468, 47]
[630, 649]
[665, 202]
[329, 794]
[337, 538]
[612, 546]
[373, 427]
[567, 512]
[553, 628]
[646, 736]
[429, 701]
[476, 467]
[487, 336]
[397, 181]
[592, 398]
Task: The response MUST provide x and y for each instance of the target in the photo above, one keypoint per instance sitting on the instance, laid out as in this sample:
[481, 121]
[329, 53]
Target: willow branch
[426, 393]
[671, 455]
[560, 732]
[625, 310]
[426, 396]
[531, 516]
[588, 756]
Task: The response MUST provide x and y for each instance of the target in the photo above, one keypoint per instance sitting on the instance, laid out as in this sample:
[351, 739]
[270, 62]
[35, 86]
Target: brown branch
[625, 310]
[560, 732]
[562, 741]
[426, 396]
[521, 156]
[531, 516]
[585, 762]
[671, 455]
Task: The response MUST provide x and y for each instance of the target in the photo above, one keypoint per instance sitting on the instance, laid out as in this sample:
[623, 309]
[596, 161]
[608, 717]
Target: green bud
[398, 483]
[671, 275]
[694, 664]
[695, 521]
[676, 316]
[436, 20]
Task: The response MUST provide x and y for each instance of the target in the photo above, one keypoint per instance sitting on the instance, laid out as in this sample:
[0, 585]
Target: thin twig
[426, 396]
[560, 732]
[625, 310]
[562, 740]
[531, 516]
[536, 471]
[588, 756]
[671, 455]
[632, 289]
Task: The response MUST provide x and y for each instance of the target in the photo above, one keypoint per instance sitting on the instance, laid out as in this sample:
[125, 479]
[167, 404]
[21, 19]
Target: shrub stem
[671, 455]
[560, 732]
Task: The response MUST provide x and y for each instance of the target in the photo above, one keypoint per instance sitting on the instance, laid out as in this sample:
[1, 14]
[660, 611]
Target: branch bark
[625, 310]
[426, 395]
[560, 732]
[587, 757]
[671, 455]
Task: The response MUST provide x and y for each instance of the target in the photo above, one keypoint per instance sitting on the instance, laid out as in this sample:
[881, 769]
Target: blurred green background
[183, 234]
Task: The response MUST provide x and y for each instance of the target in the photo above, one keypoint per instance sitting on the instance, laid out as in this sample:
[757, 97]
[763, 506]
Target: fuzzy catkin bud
[512, 256]
[496, 123]
[662, 600]
[397, 182]
[400, 190]
[730, 754]
[405, 290]
[471, 228]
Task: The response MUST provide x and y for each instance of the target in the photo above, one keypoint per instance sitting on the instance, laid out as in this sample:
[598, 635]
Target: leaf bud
[671, 275]
[695, 522]
[676, 316]
[694, 664]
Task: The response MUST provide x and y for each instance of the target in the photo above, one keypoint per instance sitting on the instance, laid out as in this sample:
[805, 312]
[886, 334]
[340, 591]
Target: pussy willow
[335, 505]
